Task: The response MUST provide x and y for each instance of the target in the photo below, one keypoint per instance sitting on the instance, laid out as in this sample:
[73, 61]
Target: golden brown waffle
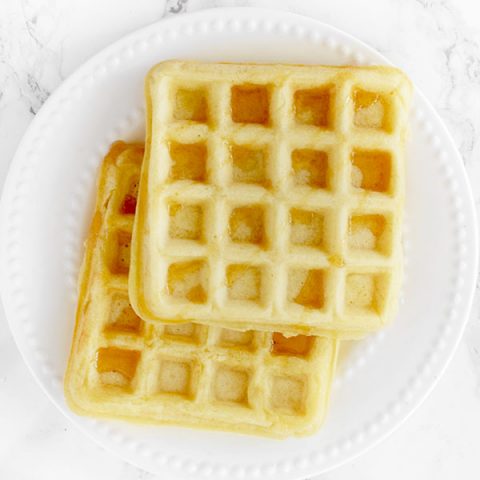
[271, 197]
[185, 374]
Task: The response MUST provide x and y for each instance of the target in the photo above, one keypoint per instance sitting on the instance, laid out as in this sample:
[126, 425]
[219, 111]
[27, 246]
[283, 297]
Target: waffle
[185, 374]
[271, 197]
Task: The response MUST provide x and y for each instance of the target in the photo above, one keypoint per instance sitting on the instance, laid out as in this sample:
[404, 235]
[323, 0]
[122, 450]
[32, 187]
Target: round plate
[48, 201]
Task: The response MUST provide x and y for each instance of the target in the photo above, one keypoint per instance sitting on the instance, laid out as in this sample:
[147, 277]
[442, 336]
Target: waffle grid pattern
[121, 366]
[290, 182]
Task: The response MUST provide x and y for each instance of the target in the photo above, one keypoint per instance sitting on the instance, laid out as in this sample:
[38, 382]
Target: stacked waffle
[266, 226]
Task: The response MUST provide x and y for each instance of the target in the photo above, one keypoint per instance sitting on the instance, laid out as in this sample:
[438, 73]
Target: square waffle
[184, 374]
[271, 197]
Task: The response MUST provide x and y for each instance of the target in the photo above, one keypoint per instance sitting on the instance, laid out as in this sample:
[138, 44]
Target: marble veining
[176, 6]
[436, 41]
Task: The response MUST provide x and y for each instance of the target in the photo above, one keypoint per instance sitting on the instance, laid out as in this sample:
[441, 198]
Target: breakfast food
[271, 197]
[121, 366]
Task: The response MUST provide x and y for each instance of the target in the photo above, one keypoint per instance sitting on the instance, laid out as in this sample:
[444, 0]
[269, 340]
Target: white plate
[46, 209]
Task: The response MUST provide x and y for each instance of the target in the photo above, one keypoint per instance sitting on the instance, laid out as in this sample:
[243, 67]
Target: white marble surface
[436, 42]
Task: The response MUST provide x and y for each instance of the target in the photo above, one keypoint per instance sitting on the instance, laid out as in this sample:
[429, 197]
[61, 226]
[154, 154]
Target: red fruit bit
[129, 205]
